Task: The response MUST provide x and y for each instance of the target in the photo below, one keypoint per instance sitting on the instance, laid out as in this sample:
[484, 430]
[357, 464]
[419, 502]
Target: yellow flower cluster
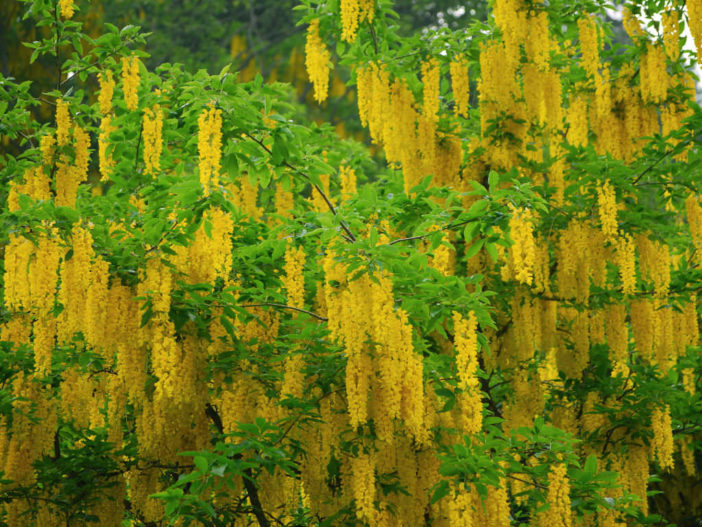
[130, 82]
[460, 85]
[294, 279]
[107, 88]
[66, 8]
[662, 437]
[317, 61]
[694, 219]
[209, 146]
[626, 260]
[607, 207]
[350, 11]
[632, 25]
[654, 76]
[688, 380]
[671, 33]
[694, 17]
[153, 141]
[589, 47]
[558, 499]
[523, 250]
[347, 175]
[431, 73]
[63, 123]
[466, 344]
[105, 160]
[373, 94]
[363, 483]
[654, 262]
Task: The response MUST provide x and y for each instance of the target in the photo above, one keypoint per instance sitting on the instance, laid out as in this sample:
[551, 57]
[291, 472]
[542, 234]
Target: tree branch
[248, 479]
[284, 306]
[307, 178]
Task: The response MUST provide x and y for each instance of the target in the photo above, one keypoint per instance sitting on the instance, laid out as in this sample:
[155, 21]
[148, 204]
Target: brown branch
[284, 306]
[374, 37]
[422, 236]
[677, 147]
[249, 485]
[307, 178]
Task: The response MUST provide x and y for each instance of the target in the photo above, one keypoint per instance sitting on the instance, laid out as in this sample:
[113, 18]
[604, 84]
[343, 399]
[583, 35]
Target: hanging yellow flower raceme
[460, 85]
[587, 28]
[63, 122]
[523, 250]
[350, 12]
[466, 343]
[558, 499]
[367, 10]
[626, 260]
[105, 161]
[294, 280]
[607, 207]
[662, 437]
[363, 484]
[654, 75]
[153, 142]
[694, 17]
[209, 146]
[107, 88]
[671, 33]
[317, 61]
[130, 81]
[66, 8]
[693, 208]
[430, 83]
[348, 182]
[631, 24]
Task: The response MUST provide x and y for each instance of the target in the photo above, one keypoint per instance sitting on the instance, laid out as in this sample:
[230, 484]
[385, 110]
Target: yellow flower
[63, 122]
[654, 74]
[607, 202]
[363, 484]
[348, 182]
[82, 159]
[460, 85]
[632, 25]
[523, 250]
[662, 437]
[67, 8]
[350, 11]
[558, 499]
[626, 260]
[589, 47]
[317, 61]
[294, 280]
[694, 17]
[430, 82]
[209, 146]
[671, 33]
[466, 344]
[105, 161]
[153, 142]
[107, 88]
[130, 81]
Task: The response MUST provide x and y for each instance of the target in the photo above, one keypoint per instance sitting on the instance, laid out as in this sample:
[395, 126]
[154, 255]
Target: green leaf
[201, 464]
[441, 490]
[590, 467]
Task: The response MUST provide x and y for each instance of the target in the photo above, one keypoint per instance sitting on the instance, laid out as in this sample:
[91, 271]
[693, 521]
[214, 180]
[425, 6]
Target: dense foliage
[217, 312]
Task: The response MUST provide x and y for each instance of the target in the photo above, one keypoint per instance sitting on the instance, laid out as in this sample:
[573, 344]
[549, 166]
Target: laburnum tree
[216, 312]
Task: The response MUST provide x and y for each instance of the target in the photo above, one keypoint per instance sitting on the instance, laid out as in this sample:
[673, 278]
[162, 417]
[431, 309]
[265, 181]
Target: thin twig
[678, 147]
[422, 236]
[307, 178]
[284, 306]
